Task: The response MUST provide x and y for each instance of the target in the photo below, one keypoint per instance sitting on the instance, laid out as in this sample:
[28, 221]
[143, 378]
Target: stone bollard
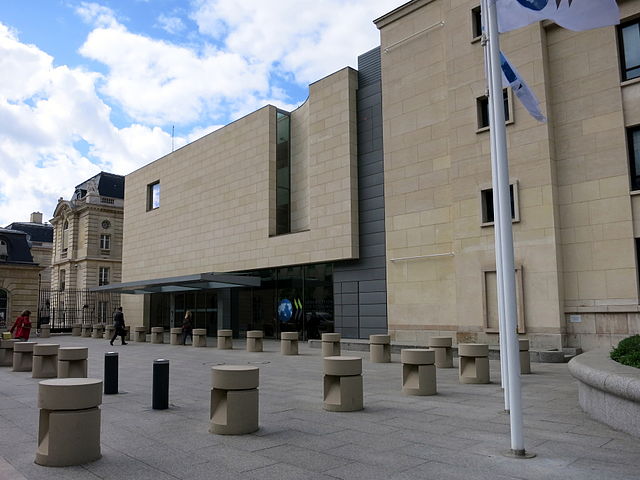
[97, 331]
[444, 352]
[254, 340]
[69, 426]
[127, 335]
[140, 334]
[6, 336]
[175, 334]
[474, 362]
[6, 352]
[234, 399]
[331, 344]
[199, 337]
[343, 384]
[225, 339]
[109, 330]
[525, 360]
[23, 356]
[45, 331]
[76, 330]
[380, 348]
[72, 362]
[418, 371]
[86, 330]
[157, 335]
[45, 360]
[289, 343]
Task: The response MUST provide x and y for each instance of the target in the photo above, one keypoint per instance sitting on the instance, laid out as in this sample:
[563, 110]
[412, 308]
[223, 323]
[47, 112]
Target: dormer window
[4, 251]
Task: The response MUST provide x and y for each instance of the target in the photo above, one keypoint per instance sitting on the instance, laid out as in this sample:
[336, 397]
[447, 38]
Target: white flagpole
[504, 368]
[503, 219]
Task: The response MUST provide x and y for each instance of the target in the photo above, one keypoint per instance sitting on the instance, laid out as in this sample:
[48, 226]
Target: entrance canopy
[200, 281]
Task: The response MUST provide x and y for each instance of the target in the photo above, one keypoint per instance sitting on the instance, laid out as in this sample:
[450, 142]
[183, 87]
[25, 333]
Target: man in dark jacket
[118, 323]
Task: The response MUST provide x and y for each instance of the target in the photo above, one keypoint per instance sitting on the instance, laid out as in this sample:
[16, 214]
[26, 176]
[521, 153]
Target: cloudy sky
[91, 86]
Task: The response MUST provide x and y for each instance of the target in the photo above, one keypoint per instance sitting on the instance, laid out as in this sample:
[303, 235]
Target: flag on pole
[520, 89]
[571, 14]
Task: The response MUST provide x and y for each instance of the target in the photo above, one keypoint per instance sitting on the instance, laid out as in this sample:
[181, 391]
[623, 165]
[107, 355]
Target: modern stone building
[369, 208]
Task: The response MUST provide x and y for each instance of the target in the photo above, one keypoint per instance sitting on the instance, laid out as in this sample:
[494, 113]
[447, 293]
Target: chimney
[36, 217]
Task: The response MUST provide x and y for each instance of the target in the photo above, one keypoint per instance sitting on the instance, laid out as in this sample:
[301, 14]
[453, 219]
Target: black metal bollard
[111, 373]
[160, 384]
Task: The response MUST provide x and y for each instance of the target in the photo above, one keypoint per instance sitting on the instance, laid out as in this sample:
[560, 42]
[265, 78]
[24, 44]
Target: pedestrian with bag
[118, 323]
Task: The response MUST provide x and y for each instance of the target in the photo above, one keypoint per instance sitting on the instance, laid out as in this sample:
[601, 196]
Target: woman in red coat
[22, 326]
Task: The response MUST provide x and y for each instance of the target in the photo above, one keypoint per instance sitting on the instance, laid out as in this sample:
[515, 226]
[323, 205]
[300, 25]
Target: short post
[160, 384]
[76, 330]
[69, 426]
[254, 340]
[199, 337]
[111, 373]
[23, 356]
[331, 344]
[289, 343]
[473, 363]
[45, 331]
[108, 331]
[418, 371]
[525, 359]
[45, 360]
[380, 348]
[6, 352]
[234, 399]
[127, 335]
[140, 334]
[97, 331]
[444, 351]
[175, 334]
[157, 335]
[343, 384]
[72, 362]
[86, 330]
[225, 340]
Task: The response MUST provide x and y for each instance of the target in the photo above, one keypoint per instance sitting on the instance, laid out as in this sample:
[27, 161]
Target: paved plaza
[458, 434]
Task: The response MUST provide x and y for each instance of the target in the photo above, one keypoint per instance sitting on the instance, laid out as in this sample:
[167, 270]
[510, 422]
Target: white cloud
[172, 25]
[96, 14]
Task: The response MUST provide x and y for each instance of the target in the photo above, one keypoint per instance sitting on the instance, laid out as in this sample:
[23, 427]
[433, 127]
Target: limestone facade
[576, 219]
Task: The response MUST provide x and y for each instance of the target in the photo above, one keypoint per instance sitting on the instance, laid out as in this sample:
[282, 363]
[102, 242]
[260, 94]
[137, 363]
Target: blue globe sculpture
[285, 310]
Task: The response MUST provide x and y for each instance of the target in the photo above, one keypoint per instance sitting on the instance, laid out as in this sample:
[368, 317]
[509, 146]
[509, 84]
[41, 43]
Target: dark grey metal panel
[371, 227]
[373, 286]
[374, 310]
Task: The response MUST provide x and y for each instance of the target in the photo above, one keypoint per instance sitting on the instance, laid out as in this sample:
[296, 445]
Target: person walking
[118, 323]
[187, 327]
[22, 326]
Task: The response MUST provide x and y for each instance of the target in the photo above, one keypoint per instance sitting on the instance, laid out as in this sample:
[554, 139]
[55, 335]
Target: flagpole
[503, 219]
[504, 368]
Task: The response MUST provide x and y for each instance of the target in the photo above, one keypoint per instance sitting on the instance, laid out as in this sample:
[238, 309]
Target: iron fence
[62, 308]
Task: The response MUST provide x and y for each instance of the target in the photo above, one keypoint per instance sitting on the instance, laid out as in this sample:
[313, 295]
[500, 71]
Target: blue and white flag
[520, 89]
[571, 14]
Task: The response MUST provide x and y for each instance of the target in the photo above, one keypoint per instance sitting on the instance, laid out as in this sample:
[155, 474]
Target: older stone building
[40, 239]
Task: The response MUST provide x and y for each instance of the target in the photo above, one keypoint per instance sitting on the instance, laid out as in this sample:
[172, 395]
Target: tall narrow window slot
[283, 173]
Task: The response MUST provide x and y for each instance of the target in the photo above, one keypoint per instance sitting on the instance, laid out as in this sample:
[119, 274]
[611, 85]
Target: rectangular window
[283, 173]
[153, 195]
[476, 22]
[483, 109]
[103, 312]
[103, 276]
[486, 198]
[633, 136]
[629, 41]
[105, 242]
[63, 274]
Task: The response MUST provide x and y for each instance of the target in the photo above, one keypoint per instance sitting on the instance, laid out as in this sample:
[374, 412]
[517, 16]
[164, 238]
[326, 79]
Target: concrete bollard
[69, 426]
[474, 363]
[45, 331]
[342, 384]
[45, 360]
[76, 330]
[289, 343]
[6, 352]
[72, 362]
[6, 336]
[254, 340]
[234, 400]
[87, 329]
[418, 371]
[199, 337]
[525, 359]
[23, 356]
[140, 334]
[109, 330]
[380, 348]
[225, 339]
[175, 334]
[331, 344]
[97, 331]
[157, 335]
[444, 351]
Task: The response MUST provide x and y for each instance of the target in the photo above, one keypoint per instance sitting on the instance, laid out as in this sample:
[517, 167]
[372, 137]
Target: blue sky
[101, 85]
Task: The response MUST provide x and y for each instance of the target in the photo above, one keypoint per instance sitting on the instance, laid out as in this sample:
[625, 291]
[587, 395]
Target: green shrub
[628, 352]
